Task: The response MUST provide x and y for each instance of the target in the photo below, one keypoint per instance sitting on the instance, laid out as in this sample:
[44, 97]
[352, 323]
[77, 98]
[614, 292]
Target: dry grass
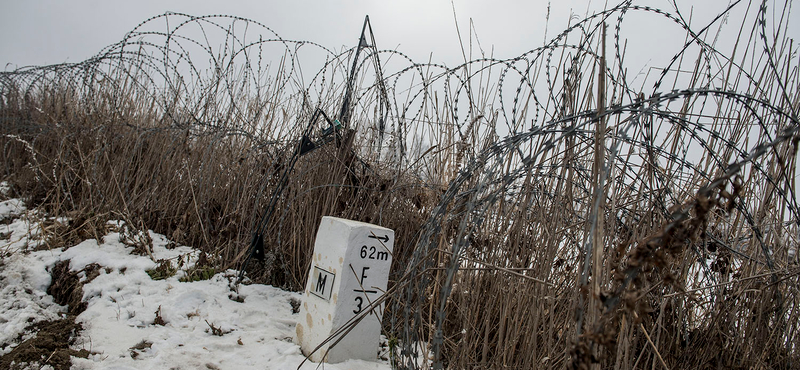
[548, 213]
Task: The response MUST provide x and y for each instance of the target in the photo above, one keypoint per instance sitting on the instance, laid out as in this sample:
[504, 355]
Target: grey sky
[46, 32]
[38, 32]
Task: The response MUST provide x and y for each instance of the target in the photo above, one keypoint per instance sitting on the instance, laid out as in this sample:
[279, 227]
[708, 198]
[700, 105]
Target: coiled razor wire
[499, 173]
[506, 129]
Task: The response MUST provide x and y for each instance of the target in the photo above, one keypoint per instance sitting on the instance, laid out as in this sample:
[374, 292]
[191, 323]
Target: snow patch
[23, 299]
[120, 323]
[11, 208]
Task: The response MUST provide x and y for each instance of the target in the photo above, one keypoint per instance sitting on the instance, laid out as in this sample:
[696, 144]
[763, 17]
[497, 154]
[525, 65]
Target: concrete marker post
[349, 270]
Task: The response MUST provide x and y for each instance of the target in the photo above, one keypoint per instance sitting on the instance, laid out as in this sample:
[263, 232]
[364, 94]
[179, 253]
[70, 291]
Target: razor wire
[533, 117]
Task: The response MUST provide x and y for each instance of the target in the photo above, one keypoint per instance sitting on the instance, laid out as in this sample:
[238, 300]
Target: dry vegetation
[548, 213]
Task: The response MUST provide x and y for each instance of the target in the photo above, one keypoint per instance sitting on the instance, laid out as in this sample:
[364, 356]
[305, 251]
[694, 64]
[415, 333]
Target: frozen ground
[134, 322]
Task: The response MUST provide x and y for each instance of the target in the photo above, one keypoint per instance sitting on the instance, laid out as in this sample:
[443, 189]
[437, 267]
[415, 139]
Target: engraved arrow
[385, 238]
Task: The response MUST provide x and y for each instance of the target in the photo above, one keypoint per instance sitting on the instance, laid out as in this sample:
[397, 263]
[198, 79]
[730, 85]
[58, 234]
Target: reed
[551, 210]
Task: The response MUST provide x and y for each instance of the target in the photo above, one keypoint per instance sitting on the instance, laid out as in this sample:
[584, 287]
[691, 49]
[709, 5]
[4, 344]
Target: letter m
[321, 283]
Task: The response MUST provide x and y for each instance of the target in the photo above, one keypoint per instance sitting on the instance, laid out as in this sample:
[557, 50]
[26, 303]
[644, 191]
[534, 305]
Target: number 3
[358, 307]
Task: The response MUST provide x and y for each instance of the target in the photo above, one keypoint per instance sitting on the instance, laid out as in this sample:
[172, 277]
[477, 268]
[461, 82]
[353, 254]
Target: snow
[123, 302]
[23, 295]
[5, 188]
[10, 208]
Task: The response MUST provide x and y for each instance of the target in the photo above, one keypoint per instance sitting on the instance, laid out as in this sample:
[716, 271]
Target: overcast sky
[39, 32]
[45, 32]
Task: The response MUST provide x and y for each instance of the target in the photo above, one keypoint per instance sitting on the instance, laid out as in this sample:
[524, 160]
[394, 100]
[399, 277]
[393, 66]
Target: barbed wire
[522, 132]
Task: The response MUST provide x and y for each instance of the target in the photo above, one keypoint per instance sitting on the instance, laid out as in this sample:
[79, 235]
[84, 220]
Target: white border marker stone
[349, 270]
